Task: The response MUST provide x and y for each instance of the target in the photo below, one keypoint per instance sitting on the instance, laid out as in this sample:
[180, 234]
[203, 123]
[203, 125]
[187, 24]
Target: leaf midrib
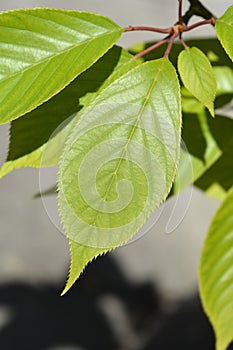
[146, 101]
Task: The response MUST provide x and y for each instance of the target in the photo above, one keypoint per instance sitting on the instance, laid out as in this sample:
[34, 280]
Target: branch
[153, 47]
[180, 19]
[197, 9]
[150, 29]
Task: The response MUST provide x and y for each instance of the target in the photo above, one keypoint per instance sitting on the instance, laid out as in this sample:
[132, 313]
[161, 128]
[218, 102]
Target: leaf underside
[122, 158]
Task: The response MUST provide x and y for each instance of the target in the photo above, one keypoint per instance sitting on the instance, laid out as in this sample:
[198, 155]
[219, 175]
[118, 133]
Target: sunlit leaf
[206, 147]
[198, 76]
[120, 159]
[216, 273]
[224, 29]
[43, 50]
[29, 135]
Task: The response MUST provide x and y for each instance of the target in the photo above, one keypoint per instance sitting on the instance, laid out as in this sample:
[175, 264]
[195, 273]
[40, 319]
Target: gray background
[33, 250]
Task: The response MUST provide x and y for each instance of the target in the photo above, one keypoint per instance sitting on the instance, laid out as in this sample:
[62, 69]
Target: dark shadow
[221, 171]
[187, 328]
[41, 319]
[222, 100]
[222, 129]
[193, 137]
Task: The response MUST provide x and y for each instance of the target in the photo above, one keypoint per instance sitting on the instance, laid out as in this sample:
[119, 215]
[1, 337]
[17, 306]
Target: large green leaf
[43, 50]
[224, 29]
[120, 160]
[198, 76]
[216, 273]
[29, 134]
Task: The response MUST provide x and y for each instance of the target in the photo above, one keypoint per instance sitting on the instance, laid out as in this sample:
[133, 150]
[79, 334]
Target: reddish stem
[183, 43]
[171, 41]
[150, 29]
[151, 48]
[202, 23]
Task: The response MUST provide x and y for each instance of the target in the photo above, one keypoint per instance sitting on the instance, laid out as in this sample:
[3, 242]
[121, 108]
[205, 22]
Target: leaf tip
[210, 107]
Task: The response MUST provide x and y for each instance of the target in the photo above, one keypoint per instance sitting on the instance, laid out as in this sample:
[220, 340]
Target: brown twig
[196, 9]
[153, 47]
[150, 29]
[201, 23]
[170, 43]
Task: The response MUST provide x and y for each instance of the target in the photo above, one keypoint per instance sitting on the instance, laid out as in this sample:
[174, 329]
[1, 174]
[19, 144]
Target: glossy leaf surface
[43, 50]
[37, 139]
[216, 273]
[224, 28]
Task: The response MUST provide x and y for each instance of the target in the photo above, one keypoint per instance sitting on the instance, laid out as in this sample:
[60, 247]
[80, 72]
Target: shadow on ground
[103, 311]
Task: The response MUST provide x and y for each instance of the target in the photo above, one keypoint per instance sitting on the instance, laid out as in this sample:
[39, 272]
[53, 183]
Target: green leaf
[80, 256]
[198, 76]
[224, 28]
[206, 147]
[37, 138]
[120, 161]
[43, 50]
[216, 273]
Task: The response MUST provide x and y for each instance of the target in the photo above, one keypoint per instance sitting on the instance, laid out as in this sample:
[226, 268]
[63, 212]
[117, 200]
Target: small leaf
[216, 273]
[43, 50]
[120, 161]
[198, 76]
[224, 29]
[207, 143]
